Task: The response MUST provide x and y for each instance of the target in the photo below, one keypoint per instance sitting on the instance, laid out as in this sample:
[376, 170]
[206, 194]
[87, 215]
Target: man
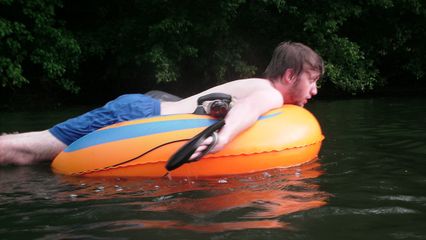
[291, 77]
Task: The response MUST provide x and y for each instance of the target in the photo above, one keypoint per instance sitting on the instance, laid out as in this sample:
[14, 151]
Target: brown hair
[293, 55]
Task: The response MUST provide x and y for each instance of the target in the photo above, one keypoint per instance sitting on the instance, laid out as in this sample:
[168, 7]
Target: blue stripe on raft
[136, 130]
[139, 130]
[269, 115]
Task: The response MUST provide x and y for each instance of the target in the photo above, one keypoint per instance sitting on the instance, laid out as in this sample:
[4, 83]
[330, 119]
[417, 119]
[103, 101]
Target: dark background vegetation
[74, 51]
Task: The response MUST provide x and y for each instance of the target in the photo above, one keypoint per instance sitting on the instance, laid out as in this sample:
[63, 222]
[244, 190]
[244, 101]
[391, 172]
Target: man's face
[304, 88]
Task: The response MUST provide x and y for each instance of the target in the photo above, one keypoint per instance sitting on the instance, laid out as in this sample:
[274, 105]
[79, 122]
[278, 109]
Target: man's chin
[303, 103]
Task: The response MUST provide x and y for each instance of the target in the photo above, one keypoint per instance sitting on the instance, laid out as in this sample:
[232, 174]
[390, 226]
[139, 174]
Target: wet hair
[293, 55]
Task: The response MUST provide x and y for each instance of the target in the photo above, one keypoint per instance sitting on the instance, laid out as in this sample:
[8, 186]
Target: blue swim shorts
[124, 108]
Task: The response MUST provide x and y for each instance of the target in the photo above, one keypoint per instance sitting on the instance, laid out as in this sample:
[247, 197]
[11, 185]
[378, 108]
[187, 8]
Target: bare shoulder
[245, 87]
[243, 90]
[259, 94]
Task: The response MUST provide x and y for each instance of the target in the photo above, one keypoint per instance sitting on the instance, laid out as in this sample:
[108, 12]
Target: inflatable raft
[281, 138]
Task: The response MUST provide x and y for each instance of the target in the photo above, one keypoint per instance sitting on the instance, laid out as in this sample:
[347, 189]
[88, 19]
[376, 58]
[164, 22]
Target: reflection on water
[255, 201]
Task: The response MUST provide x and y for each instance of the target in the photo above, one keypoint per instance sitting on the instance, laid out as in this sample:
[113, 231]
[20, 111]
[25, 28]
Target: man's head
[295, 56]
[294, 71]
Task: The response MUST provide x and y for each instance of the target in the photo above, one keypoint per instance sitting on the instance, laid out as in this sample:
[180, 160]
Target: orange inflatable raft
[285, 137]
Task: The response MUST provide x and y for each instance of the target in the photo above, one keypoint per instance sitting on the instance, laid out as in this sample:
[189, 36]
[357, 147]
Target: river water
[368, 183]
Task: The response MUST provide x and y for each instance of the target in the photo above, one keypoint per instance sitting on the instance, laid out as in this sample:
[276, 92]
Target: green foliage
[392, 33]
[365, 43]
[346, 65]
[31, 41]
[170, 40]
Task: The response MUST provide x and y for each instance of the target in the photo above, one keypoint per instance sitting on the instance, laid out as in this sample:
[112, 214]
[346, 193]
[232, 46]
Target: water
[368, 183]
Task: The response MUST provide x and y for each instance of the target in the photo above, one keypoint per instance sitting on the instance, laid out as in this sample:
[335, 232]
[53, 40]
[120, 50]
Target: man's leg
[32, 147]
[28, 148]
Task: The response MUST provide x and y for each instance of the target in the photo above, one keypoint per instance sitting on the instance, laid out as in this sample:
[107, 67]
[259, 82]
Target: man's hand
[219, 145]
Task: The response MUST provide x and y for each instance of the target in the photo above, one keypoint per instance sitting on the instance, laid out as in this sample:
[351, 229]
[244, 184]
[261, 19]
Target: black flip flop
[182, 155]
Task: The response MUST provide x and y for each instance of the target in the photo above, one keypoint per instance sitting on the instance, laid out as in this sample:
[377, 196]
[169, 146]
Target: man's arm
[243, 115]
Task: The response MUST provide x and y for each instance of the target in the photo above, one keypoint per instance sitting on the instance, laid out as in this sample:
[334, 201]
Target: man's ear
[288, 76]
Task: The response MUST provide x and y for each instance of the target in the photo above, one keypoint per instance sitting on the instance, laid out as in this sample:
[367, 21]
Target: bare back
[238, 89]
